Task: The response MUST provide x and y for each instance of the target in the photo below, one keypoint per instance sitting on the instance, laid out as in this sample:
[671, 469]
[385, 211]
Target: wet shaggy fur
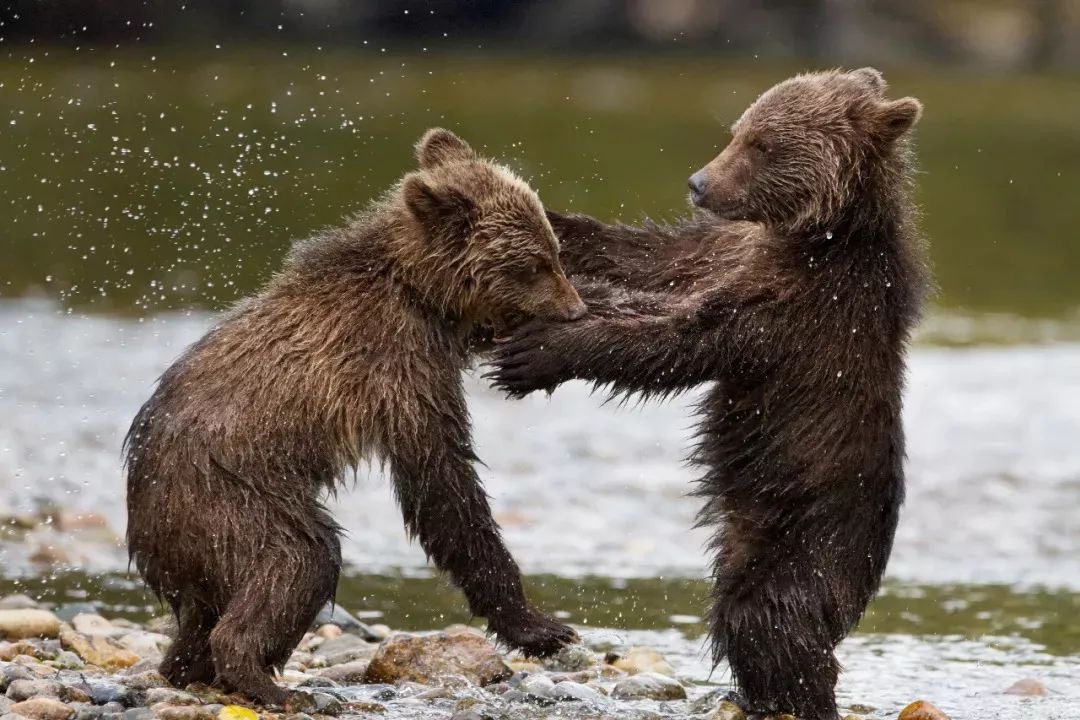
[793, 291]
[354, 351]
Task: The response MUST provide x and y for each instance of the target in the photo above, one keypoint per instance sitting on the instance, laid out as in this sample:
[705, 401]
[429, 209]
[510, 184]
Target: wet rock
[649, 686]
[18, 601]
[380, 632]
[642, 659]
[337, 615]
[573, 691]
[89, 712]
[103, 691]
[922, 710]
[97, 650]
[237, 712]
[571, 658]
[67, 611]
[470, 715]
[67, 660]
[26, 689]
[170, 697]
[209, 695]
[184, 712]
[346, 673]
[343, 649]
[93, 624]
[329, 631]
[13, 672]
[523, 665]
[727, 710]
[144, 680]
[138, 714]
[25, 648]
[431, 659]
[853, 717]
[28, 623]
[536, 685]
[1027, 687]
[43, 708]
[144, 644]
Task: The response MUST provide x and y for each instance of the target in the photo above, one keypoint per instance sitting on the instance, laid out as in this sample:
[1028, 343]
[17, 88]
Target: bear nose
[576, 311]
[698, 185]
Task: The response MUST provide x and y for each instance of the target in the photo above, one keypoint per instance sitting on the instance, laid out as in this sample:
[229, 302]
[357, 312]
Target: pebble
[97, 650]
[649, 686]
[92, 624]
[727, 710]
[339, 616]
[922, 710]
[642, 659]
[26, 689]
[104, 691]
[138, 714]
[1028, 687]
[429, 659]
[67, 660]
[144, 680]
[18, 601]
[576, 691]
[170, 697]
[237, 712]
[346, 673]
[43, 708]
[28, 623]
[571, 659]
[536, 685]
[343, 649]
[184, 712]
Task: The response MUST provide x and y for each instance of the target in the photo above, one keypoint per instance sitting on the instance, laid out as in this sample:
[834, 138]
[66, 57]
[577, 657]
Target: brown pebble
[329, 631]
[348, 673]
[182, 712]
[43, 708]
[1028, 687]
[922, 710]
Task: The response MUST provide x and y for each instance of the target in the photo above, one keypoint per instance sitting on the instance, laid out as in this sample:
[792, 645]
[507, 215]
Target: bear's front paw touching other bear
[534, 633]
[530, 360]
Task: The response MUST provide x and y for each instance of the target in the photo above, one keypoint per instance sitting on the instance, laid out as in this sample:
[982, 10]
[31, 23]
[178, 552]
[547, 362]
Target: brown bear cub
[354, 351]
[794, 293]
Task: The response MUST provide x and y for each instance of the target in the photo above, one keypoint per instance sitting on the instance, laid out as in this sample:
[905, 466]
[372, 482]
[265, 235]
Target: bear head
[490, 245]
[806, 149]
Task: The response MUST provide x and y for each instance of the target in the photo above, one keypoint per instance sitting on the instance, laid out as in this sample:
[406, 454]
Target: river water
[983, 587]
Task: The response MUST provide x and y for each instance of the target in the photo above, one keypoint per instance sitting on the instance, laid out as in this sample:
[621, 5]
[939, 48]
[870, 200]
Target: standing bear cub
[794, 293]
[354, 351]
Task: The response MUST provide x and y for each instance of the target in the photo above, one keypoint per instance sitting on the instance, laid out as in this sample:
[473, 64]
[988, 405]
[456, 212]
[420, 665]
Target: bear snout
[699, 186]
[576, 311]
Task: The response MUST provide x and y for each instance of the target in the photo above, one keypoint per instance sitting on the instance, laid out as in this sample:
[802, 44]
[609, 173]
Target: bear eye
[760, 145]
[530, 270]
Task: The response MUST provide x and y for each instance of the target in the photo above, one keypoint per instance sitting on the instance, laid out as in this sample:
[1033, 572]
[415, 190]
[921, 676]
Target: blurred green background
[144, 175]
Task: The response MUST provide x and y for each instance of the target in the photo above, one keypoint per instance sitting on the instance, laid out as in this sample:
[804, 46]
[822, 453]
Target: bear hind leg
[269, 614]
[188, 660]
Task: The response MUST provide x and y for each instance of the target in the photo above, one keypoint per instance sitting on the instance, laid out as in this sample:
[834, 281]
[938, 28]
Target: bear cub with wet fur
[792, 291]
[353, 352]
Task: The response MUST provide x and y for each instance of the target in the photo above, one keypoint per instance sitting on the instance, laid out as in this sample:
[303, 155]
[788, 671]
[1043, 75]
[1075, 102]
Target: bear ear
[896, 117]
[442, 211]
[872, 77]
[439, 146]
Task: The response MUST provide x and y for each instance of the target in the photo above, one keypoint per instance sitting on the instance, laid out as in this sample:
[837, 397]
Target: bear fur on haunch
[794, 292]
[353, 352]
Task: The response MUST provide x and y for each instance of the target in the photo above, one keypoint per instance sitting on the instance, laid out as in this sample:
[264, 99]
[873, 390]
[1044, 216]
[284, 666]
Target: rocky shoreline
[65, 666]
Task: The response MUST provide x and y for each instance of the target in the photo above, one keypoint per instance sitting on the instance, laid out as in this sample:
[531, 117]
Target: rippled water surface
[983, 587]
